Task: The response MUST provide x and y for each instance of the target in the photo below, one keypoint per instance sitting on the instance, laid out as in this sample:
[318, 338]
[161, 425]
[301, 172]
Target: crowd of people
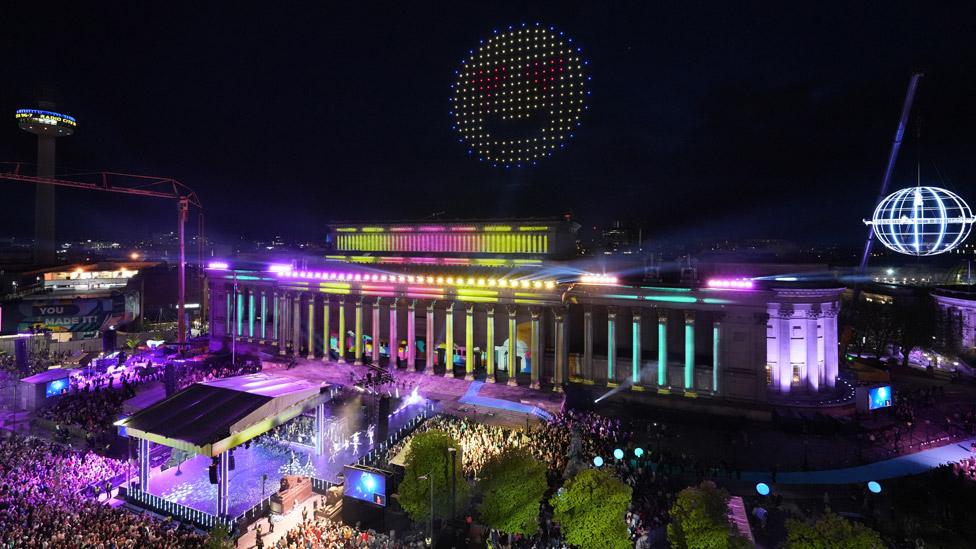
[322, 533]
[44, 502]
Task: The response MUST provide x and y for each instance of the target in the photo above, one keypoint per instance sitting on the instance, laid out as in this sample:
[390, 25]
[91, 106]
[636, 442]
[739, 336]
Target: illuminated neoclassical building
[506, 302]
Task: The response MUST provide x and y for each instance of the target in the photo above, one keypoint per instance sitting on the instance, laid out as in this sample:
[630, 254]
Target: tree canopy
[428, 454]
[590, 510]
[513, 483]
[831, 532]
[700, 519]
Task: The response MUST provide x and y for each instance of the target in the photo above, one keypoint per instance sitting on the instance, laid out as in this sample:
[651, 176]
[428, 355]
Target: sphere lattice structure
[520, 96]
[922, 221]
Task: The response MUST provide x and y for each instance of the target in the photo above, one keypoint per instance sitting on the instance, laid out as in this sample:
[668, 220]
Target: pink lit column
[783, 340]
[830, 347]
[812, 348]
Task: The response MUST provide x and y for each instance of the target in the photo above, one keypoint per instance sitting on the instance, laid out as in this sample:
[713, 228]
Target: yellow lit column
[449, 340]
[535, 362]
[490, 346]
[411, 336]
[311, 326]
[469, 355]
[358, 344]
[394, 334]
[611, 346]
[376, 332]
[326, 336]
[341, 340]
[512, 346]
[431, 351]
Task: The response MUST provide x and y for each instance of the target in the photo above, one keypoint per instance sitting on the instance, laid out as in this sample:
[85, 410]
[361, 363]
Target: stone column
[512, 346]
[239, 319]
[326, 336]
[830, 347]
[635, 364]
[588, 343]
[811, 340]
[341, 340]
[282, 324]
[469, 354]
[449, 340]
[662, 351]
[689, 351]
[296, 330]
[611, 346]
[535, 345]
[276, 319]
[490, 345]
[560, 340]
[376, 333]
[250, 313]
[358, 344]
[783, 340]
[311, 326]
[431, 351]
[264, 315]
[411, 336]
[394, 333]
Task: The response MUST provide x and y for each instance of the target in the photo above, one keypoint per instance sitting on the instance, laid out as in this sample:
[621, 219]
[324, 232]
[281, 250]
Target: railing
[181, 512]
[374, 455]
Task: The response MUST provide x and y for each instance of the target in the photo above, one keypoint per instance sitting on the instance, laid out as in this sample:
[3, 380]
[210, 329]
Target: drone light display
[520, 96]
[922, 221]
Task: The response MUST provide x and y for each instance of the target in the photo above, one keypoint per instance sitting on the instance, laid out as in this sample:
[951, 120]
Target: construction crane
[906, 109]
[135, 185]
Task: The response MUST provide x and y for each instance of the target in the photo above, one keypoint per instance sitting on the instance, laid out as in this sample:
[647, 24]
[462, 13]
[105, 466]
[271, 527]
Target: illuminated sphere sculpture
[520, 96]
[922, 221]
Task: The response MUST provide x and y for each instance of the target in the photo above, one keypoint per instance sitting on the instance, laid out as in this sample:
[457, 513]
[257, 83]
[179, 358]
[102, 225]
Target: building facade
[545, 326]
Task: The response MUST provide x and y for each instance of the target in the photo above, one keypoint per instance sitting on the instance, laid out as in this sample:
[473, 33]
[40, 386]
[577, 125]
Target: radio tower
[47, 125]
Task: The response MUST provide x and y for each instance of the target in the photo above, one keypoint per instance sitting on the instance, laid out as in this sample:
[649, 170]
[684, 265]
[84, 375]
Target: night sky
[728, 120]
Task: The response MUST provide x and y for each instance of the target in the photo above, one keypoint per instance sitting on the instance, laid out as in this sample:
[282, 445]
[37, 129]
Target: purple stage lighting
[731, 283]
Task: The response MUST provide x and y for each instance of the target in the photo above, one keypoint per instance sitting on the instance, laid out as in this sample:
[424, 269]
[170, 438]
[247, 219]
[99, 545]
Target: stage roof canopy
[213, 417]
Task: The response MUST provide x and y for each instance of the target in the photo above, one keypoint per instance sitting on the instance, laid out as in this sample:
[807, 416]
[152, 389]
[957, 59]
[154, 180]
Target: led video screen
[365, 485]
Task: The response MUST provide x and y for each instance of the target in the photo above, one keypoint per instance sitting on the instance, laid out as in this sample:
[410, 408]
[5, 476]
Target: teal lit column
[535, 361]
[662, 350]
[250, 313]
[490, 345]
[512, 346]
[341, 340]
[264, 315]
[311, 326]
[358, 344]
[469, 355]
[326, 335]
[611, 346]
[240, 313]
[636, 359]
[689, 352]
[716, 355]
[449, 340]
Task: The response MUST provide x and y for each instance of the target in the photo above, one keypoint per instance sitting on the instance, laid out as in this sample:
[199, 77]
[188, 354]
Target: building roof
[210, 418]
[49, 375]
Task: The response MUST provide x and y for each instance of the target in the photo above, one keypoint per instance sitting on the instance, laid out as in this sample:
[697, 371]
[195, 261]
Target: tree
[513, 484]
[700, 519]
[219, 537]
[590, 510]
[428, 454]
[831, 531]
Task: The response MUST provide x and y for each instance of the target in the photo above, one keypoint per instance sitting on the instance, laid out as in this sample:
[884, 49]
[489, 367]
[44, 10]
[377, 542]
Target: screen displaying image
[879, 397]
[55, 388]
[365, 485]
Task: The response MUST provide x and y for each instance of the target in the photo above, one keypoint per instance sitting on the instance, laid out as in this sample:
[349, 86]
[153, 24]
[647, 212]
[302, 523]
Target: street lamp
[430, 477]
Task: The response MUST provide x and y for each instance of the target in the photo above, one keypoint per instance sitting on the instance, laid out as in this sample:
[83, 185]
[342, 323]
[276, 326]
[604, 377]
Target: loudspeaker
[383, 421]
[169, 379]
[108, 341]
[230, 461]
[213, 473]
